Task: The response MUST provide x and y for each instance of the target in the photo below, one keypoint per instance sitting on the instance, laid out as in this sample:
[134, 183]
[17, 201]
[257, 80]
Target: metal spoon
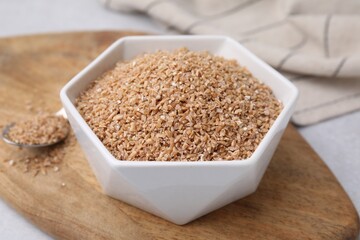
[5, 136]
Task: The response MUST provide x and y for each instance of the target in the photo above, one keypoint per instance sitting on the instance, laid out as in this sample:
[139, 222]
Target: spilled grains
[40, 161]
[34, 161]
[179, 106]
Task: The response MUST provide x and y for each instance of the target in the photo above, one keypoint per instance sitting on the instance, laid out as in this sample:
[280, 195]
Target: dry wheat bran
[36, 161]
[179, 106]
[42, 129]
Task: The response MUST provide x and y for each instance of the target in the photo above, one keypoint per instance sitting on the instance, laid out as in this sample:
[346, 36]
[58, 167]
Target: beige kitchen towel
[316, 44]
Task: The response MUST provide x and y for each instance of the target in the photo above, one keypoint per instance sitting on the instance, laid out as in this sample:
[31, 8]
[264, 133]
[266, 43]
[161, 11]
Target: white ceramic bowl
[178, 191]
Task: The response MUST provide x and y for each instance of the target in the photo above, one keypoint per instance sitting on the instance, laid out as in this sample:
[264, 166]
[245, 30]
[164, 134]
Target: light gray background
[337, 140]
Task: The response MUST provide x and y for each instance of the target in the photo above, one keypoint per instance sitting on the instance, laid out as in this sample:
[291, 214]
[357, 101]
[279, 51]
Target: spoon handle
[62, 113]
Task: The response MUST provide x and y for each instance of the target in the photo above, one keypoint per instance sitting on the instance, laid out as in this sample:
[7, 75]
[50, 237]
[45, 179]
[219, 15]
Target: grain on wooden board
[49, 128]
[40, 161]
[179, 106]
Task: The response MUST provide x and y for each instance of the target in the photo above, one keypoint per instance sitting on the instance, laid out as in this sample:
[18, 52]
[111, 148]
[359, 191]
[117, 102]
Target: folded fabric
[316, 44]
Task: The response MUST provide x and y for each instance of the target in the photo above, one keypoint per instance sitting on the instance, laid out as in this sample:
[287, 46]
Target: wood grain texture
[298, 198]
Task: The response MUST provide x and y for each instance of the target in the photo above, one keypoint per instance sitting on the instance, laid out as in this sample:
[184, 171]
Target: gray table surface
[337, 140]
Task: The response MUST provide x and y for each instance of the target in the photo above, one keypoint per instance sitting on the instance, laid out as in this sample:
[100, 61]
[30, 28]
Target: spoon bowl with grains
[40, 131]
[178, 125]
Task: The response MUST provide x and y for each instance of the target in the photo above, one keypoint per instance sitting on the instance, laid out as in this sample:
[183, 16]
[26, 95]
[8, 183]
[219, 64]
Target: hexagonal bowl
[178, 191]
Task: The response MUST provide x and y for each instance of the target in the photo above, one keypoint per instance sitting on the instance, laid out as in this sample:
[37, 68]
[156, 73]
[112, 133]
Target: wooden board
[298, 198]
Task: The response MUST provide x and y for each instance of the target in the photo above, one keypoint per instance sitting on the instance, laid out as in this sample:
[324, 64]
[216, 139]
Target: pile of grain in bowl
[179, 106]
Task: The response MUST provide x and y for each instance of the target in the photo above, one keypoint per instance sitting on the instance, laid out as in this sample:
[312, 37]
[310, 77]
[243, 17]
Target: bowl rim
[69, 106]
